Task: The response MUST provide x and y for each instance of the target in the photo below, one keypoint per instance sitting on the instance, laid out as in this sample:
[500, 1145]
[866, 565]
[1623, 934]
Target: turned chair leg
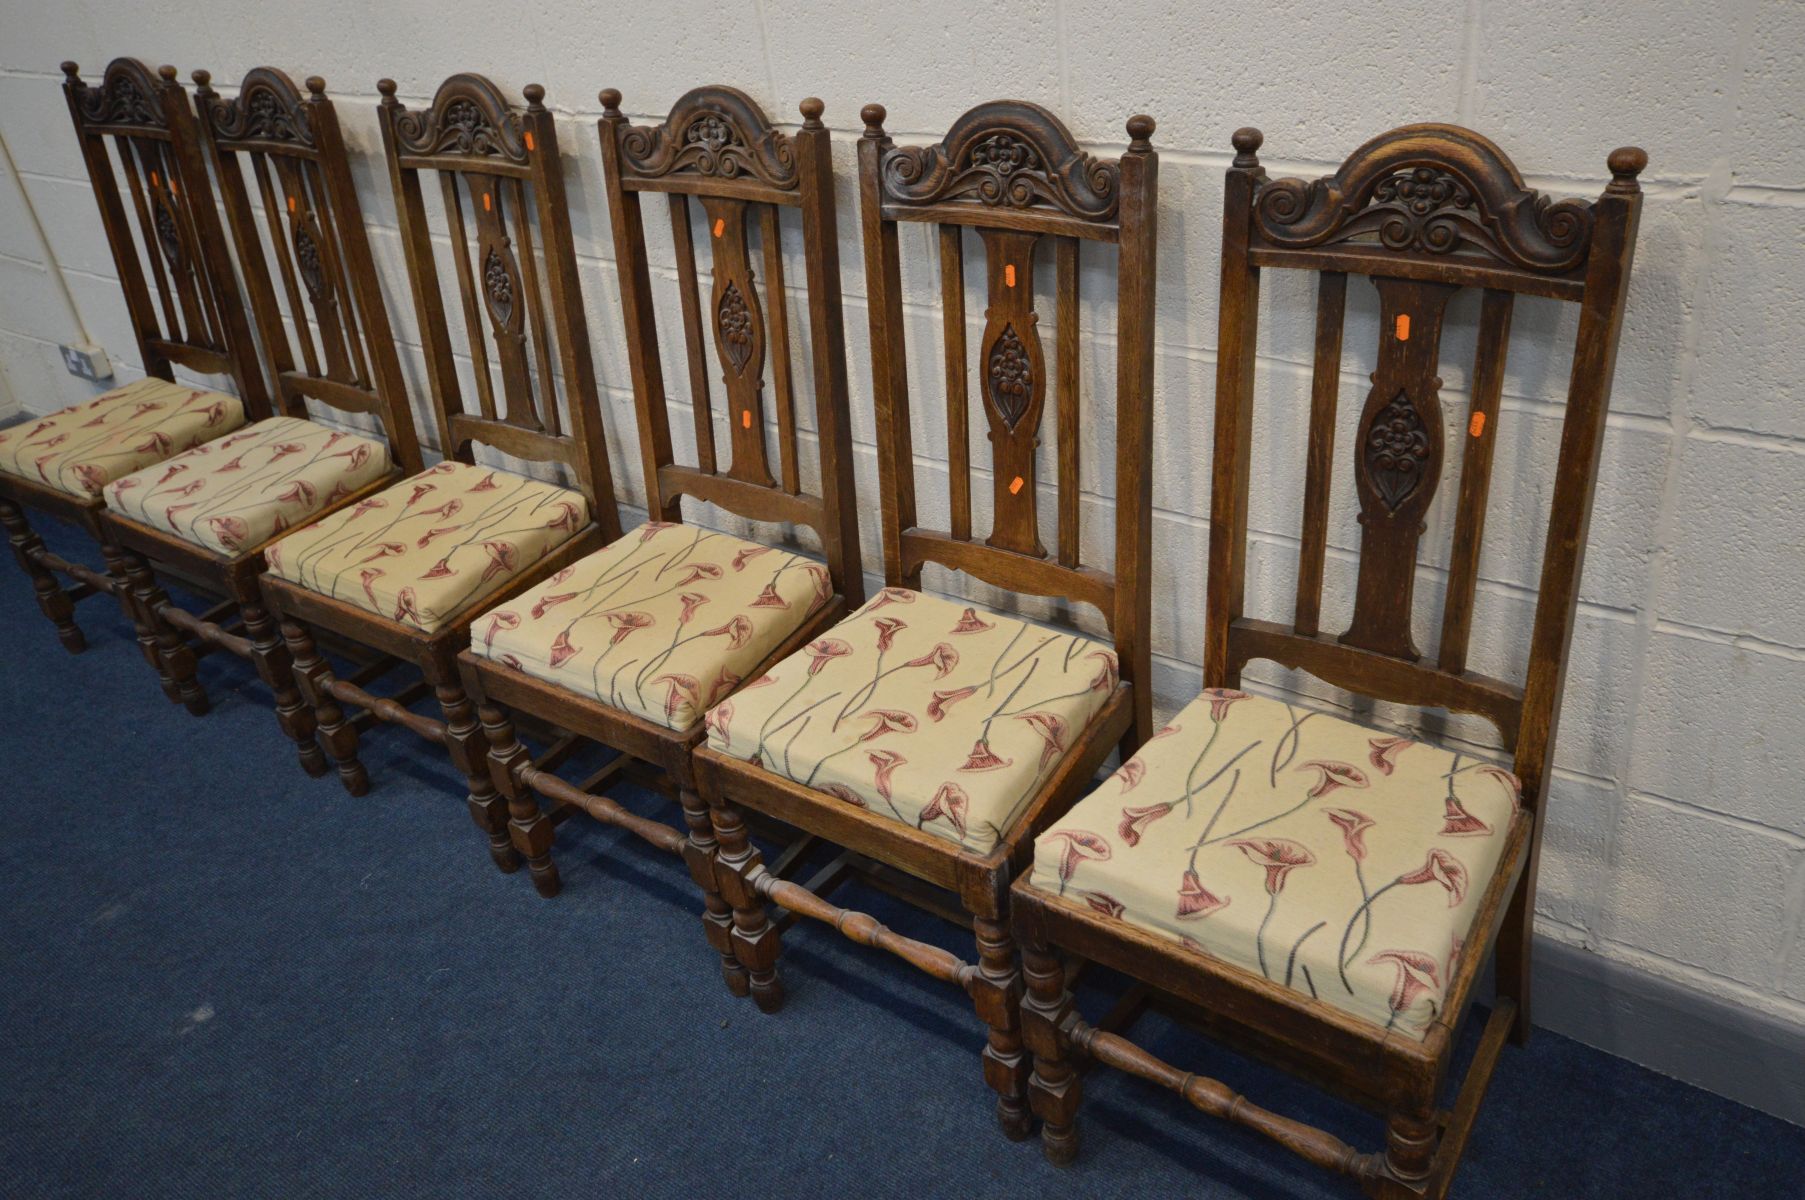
[701, 853]
[311, 675]
[173, 652]
[469, 752]
[52, 599]
[529, 829]
[142, 628]
[755, 941]
[277, 669]
[1055, 1089]
[1410, 1145]
[997, 994]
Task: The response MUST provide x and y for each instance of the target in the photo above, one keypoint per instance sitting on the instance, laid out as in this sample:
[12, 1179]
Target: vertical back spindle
[1066, 339]
[1319, 469]
[958, 419]
[1475, 478]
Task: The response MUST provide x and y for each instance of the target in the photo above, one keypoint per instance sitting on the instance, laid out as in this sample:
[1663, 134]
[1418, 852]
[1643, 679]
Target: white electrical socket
[87, 361]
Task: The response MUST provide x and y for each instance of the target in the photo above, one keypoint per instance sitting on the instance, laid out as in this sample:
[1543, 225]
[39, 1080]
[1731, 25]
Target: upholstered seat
[1332, 858]
[944, 717]
[661, 624]
[234, 494]
[83, 448]
[427, 548]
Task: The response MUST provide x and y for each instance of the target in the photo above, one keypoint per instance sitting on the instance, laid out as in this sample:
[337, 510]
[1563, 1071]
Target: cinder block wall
[1676, 841]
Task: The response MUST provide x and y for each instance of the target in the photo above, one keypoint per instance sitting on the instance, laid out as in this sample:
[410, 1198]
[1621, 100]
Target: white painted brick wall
[1676, 835]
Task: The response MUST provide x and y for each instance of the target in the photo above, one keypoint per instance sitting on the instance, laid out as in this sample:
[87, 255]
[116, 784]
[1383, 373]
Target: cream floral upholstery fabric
[1325, 855]
[234, 494]
[662, 623]
[420, 552]
[83, 448]
[941, 716]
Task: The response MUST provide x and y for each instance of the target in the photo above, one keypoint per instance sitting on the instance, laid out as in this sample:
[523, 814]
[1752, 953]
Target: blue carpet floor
[221, 978]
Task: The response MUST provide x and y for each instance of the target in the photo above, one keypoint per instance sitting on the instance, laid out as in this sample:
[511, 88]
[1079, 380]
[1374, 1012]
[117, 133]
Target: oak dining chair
[215, 513]
[405, 572]
[135, 128]
[933, 736]
[630, 646]
[1319, 890]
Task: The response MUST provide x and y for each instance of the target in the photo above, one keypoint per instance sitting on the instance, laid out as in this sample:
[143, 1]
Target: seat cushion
[662, 623]
[83, 448]
[427, 548]
[1327, 856]
[943, 717]
[236, 493]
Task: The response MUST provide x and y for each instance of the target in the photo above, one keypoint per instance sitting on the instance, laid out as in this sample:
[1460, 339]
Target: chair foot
[1014, 1117]
[767, 993]
[736, 977]
[1060, 1145]
[313, 760]
[506, 859]
[545, 877]
[53, 600]
[72, 639]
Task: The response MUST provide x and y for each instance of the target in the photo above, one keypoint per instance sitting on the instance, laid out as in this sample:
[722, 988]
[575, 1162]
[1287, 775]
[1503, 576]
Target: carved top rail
[1427, 201]
[268, 113]
[716, 141]
[137, 130]
[469, 126]
[1009, 163]
[1421, 212]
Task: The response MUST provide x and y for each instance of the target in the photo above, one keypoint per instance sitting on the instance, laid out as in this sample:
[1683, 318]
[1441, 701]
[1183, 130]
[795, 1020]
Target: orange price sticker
[1015, 485]
[720, 226]
[1009, 275]
[529, 139]
[291, 204]
[1476, 426]
[745, 418]
[1403, 327]
[486, 202]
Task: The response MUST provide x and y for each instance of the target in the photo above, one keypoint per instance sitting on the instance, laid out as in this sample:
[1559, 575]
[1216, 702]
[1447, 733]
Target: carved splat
[739, 337]
[1397, 462]
[169, 235]
[307, 263]
[1013, 382]
[499, 283]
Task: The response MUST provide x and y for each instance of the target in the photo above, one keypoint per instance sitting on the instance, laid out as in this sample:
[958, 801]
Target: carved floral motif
[168, 235]
[1397, 447]
[307, 261]
[498, 286]
[1009, 377]
[736, 327]
[120, 101]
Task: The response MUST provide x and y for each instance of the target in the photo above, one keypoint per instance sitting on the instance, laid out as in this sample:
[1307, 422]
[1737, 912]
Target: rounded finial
[812, 108]
[1140, 128]
[1626, 162]
[610, 98]
[70, 69]
[386, 87]
[201, 77]
[535, 95]
[316, 85]
[873, 115]
[1248, 141]
[167, 71]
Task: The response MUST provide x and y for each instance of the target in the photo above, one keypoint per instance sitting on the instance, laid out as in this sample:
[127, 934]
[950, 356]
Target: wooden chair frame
[1058, 192]
[475, 141]
[300, 142]
[745, 170]
[195, 320]
[1480, 227]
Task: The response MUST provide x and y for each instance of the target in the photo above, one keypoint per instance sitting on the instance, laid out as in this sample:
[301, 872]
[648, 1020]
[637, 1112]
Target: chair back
[1421, 212]
[136, 126]
[1011, 173]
